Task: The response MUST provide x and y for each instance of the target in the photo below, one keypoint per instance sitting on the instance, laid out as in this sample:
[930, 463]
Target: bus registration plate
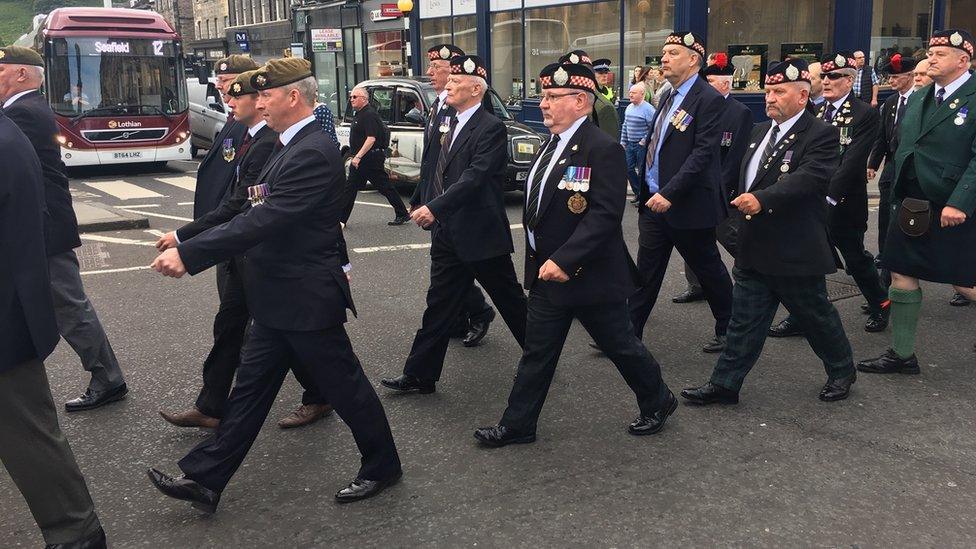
[128, 154]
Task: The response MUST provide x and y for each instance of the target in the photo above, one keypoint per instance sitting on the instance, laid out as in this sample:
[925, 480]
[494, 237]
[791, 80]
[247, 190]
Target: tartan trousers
[755, 298]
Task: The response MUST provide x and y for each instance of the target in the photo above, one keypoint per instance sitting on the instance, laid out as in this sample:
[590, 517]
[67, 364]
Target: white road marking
[183, 182]
[391, 248]
[116, 240]
[122, 270]
[374, 204]
[163, 216]
[142, 205]
[155, 232]
[123, 190]
[184, 203]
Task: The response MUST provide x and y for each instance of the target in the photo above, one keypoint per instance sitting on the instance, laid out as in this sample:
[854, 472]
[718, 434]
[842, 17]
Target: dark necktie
[829, 113]
[278, 146]
[658, 129]
[940, 96]
[901, 110]
[770, 147]
[532, 206]
[433, 118]
[246, 144]
[442, 159]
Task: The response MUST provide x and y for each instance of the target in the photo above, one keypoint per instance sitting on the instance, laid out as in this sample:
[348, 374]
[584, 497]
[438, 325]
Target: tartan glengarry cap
[688, 39]
[470, 65]
[839, 60]
[576, 57]
[281, 72]
[954, 38]
[568, 76]
[19, 55]
[791, 70]
[721, 66]
[601, 65]
[897, 64]
[235, 64]
[242, 85]
[444, 52]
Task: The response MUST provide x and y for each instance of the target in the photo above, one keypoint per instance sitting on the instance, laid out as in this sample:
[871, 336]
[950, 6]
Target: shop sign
[811, 52]
[390, 10]
[326, 40]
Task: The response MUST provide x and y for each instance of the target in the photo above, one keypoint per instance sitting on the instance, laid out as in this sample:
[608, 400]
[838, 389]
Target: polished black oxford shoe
[649, 425]
[837, 389]
[94, 541]
[786, 328]
[499, 435]
[716, 345]
[478, 330]
[890, 363]
[408, 384]
[689, 296]
[180, 487]
[399, 220]
[710, 393]
[877, 322]
[361, 488]
[96, 399]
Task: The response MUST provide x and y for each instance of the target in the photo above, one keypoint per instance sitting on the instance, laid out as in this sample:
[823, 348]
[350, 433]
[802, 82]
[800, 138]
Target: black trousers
[699, 249]
[266, 357]
[547, 327]
[755, 299]
[450, 282]
[230, 328]
[371, 169]
[727, 234]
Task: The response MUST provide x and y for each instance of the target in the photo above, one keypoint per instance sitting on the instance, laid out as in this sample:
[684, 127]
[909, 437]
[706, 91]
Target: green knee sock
[905, 305]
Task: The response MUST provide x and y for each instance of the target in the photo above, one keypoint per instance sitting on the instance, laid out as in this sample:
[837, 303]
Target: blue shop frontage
[519, 37]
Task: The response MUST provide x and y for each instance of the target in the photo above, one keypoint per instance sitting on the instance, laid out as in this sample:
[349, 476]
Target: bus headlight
[62, 140]
[183, 136]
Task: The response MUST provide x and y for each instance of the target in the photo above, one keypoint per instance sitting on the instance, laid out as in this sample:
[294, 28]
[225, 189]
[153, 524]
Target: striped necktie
[532, 206]
[442, 159]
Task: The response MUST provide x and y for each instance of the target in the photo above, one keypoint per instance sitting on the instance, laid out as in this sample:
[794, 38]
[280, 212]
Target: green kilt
[946, 255]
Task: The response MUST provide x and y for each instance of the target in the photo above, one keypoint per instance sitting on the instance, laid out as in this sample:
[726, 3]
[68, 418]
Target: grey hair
[590, 99]
[308, 89]
[39, 72]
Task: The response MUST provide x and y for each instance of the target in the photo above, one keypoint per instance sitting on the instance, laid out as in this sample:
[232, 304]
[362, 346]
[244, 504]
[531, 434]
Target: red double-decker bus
[114, 78]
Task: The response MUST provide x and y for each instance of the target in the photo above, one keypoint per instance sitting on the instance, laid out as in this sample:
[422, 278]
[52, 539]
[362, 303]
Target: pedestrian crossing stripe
[123, 190]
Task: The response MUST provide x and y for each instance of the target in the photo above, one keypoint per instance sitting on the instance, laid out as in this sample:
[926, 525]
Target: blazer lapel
[757, 136]
[784, 144]
[560, 167]
[466, 132]
[309, 129]
[686, 104]
[946, 109]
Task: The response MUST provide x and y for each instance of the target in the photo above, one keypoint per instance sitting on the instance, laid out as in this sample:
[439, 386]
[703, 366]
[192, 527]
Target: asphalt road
[893, 466]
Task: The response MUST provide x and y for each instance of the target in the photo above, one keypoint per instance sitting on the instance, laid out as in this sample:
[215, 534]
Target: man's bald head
[816, 80]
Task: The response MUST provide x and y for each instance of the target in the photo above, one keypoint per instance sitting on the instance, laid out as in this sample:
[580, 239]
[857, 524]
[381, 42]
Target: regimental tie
[770, 147]
[433, 118]
[442, 159]
[901, 109]
[532, 206]
[940, 96]
[829, 113]
[658, 128]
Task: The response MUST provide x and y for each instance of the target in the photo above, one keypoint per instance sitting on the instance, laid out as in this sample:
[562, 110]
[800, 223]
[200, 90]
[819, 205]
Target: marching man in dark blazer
[297, 294]
[576, 262]
[736, 126]
[784, 253]
[476, 315]
[33, 449]
[21, 75]
[683, 198]
[858, 123]
[933, 197]
[470, 235]
[899, 70]
[219, 368]
[604, 113]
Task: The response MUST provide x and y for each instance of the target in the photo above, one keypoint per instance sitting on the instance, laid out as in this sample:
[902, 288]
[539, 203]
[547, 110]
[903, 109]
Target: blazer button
[769, 210]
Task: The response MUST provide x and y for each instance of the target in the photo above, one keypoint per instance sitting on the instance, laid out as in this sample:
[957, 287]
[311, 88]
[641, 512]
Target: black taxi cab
[404, 104]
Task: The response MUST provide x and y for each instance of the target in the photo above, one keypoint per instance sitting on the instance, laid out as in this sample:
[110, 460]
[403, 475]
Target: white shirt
[784, 130]
[564, 138]
[441, 101]
[951, 87]
[293, 130]
[837, 104]
[462, 119]
[257, 127]
[16, 97]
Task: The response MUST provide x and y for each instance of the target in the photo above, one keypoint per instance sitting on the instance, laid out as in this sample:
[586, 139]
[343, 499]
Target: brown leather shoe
[305, 414]
[190, 418]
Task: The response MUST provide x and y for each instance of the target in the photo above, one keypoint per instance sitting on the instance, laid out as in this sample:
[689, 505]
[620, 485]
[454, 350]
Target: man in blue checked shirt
[637, 124]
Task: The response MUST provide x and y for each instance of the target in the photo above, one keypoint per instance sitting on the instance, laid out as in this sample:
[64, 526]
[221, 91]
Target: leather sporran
[915, 217]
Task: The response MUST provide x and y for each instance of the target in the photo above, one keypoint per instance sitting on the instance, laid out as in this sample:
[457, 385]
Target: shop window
[466, 33]
[646, 25]
[385, 54]
[901, 26]
[432, 33]
[506, 55]
[960, 15]
[757, 30]
[551, 32]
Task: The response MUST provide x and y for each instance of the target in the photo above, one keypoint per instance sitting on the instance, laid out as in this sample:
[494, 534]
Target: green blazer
[605, 116]
[941, 142]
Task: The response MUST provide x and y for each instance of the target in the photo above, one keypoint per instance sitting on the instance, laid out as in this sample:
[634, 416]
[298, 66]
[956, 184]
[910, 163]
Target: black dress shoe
[479, 329]
[838, 389]
[710, 393]
[649, 425]
[877, 322]
[94, 541]
[499, 435]
[688, 296]
[408, 384]
[94, 399]
[361, 488]
[786, 328]
[716, 345]
[399, 220]
[890, 363]
[959, 300]
[180, 487]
